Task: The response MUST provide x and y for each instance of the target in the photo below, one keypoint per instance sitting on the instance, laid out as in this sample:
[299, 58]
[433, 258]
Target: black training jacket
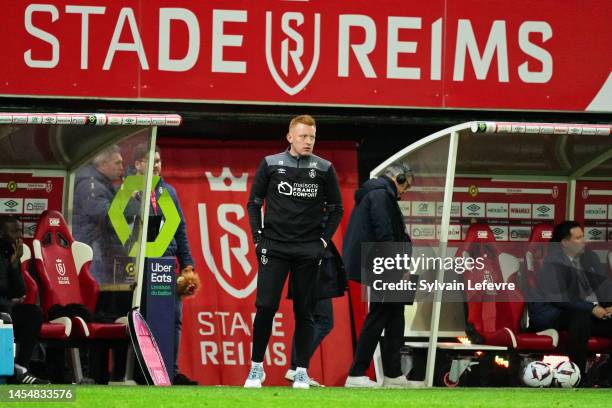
[298, 193]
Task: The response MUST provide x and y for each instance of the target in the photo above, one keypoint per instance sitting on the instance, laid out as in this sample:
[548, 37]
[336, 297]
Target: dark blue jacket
[558, 288]
[179, 246]
[93, 195]
[375, 218]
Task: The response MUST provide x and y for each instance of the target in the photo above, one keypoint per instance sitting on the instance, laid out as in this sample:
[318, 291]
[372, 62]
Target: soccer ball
[537, 374]
[567, 374]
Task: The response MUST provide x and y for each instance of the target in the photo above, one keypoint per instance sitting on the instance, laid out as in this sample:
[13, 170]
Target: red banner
[529, 54]
[213, 181]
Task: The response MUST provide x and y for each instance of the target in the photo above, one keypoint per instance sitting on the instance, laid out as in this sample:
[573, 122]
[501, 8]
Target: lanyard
[154, 202]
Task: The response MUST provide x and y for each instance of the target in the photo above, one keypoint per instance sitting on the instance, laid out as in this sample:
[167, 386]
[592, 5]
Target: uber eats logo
[120, 224]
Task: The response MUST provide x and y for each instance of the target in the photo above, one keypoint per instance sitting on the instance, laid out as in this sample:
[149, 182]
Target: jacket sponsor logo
[546, 235]
[281, 171]
[285, 188]
[482, 235]
[293, 75]
[54, 222]
[303, 190]
[226, 181]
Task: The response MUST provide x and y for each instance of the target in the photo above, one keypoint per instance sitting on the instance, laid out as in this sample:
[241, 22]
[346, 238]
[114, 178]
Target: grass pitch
[183, 397]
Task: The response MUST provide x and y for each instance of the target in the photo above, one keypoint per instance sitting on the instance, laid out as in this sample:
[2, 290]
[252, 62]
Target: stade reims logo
[290, 48]
[224, 233]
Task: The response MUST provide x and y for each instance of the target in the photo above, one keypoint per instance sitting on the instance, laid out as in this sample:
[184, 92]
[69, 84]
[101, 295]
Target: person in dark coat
[377, 217]
[26, 319]
[94, 192]
[573, 292]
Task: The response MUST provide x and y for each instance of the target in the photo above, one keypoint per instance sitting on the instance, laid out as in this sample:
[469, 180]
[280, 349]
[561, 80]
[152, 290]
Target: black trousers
[381, 316]
[276, 260]
[323, 318]
[27, 321]
[580, 326]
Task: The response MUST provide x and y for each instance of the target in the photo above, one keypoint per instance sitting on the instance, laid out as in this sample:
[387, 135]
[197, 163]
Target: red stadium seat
[537, 251]
[496, 315]
[57, 329]
[63, 267]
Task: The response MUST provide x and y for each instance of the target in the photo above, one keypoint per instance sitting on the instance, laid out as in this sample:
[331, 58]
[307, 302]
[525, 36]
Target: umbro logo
[11, 203]
[543, 209]
[473, 207]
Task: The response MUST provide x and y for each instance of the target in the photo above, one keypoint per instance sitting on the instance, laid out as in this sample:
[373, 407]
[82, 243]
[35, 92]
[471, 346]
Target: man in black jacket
[299, 189]
[27, 319]
[573, 292]
[377, 217]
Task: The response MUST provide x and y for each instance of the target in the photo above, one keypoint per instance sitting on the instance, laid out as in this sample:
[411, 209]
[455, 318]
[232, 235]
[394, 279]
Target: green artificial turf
[128, 397]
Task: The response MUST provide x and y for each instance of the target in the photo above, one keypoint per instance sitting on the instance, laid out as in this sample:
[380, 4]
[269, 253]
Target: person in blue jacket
[178, 247]
[573, 292]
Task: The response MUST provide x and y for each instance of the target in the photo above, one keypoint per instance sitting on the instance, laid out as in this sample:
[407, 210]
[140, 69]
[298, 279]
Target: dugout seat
[496, 314]
[57, 329]
[63, 268]
[537, 250]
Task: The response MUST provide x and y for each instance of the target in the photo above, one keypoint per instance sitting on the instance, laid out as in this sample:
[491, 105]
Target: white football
[567, 374]
[537, 374]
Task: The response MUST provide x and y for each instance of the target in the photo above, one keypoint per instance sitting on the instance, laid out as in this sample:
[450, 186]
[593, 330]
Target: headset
[403, 176]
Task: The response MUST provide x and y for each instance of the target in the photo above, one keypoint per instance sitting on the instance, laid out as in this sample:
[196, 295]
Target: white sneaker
[360, 382]
[395, 382]
[301, 380]
[290, 374]
[256, 377]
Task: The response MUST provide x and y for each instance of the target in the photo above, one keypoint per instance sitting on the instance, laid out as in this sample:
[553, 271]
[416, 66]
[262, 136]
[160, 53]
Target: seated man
[572, 288]
[26, 319]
